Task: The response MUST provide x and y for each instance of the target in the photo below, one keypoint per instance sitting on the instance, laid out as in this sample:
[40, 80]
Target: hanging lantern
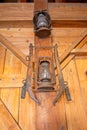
[45, 74]
[42, 24]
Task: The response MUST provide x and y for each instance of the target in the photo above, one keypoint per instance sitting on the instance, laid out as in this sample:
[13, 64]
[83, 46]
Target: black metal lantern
[45, 74]
[42, 24]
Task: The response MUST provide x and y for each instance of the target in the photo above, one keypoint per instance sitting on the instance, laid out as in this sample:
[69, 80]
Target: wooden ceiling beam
[62, 14]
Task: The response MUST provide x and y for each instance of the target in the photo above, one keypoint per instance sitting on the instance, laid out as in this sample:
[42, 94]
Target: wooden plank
[11, 81]
[12, 69]
[13, 49]
[79, 52]
[27, 116]
[42, 5]
[75, 116]
[12, 76]
[66, 61]
[12, 64]
[81, 65]
[2, 58]
[6, 120]
[77, 44]
[48, 116]
[64, 15]
[10, 97]
[26, 109]
[21, 38]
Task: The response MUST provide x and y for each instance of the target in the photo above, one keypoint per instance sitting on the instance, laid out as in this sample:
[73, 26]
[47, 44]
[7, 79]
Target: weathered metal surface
[42, 23]
[27, 83]
[63, 85]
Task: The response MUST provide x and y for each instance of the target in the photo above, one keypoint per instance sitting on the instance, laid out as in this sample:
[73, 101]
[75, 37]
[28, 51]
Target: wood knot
[86, 72]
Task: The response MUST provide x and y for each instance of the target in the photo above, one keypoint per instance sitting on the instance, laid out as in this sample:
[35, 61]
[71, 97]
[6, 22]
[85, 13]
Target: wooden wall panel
[26, 108]
[76, 119]
[10, 97]
[27, 115]
[2, 58]
[63, 15]
[22, 37]
[68, 115]
[6, 120]
[81, 65]
[12, 64]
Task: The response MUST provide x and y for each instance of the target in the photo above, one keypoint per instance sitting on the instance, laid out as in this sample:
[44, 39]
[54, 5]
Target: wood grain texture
[27, 116]
[79, 52]
[64, 15]
[6, 120]
[75, 116]
[40, 5]
[2, 58]
[65, 115]
[10, 97]
[21, 38]
[12, 64]
[48, 116]
[11, 81]
[81, 65]
[80, 42]
[71, 116]
[13, 49]
[26, 108]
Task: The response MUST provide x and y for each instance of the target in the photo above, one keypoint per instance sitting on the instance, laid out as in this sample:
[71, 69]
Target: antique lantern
[42, 24]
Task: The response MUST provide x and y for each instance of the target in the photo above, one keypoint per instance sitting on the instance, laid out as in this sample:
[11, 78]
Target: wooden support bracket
[79, 43]
[13, 49]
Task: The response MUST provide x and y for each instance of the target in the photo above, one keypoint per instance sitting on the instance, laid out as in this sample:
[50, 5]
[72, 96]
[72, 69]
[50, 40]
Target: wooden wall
[24, 114]
[70, 115]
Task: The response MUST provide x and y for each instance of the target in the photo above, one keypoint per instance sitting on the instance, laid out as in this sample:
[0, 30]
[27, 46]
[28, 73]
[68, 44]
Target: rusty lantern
[42, 24]
[45, 74]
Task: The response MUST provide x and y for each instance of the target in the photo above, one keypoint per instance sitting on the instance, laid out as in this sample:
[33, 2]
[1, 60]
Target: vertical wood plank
[26, 109]
[48, 116]
[6, 120]
[27, 113]
[2, 58]
[76, 119]
[10, 97]
[12, 64]
[82, 73]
